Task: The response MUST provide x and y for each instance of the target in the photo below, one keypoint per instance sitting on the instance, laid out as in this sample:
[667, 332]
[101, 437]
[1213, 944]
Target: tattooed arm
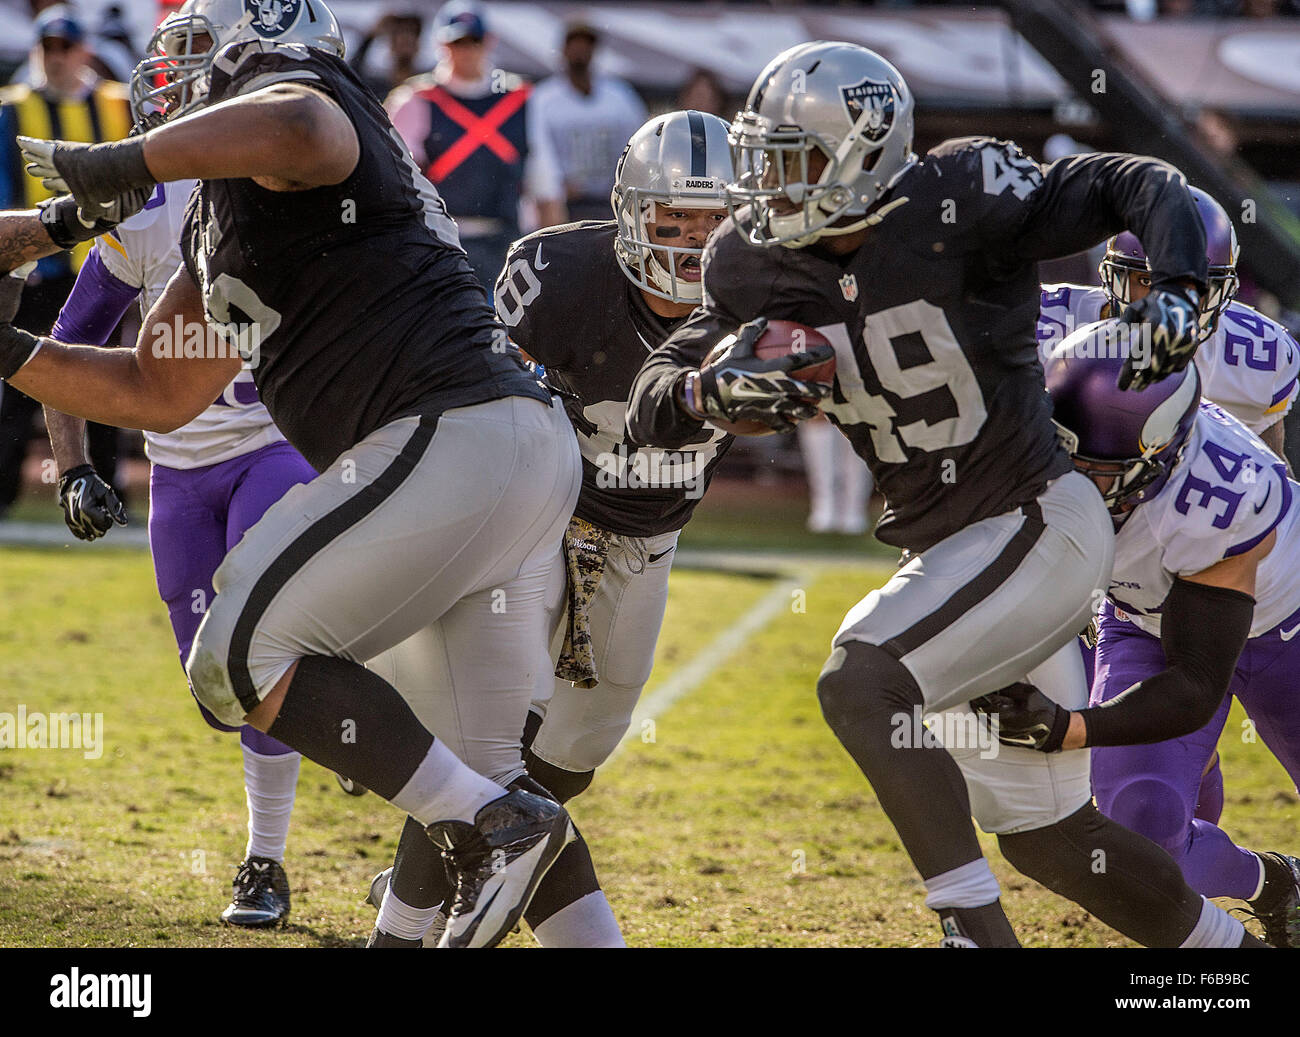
[23, 238]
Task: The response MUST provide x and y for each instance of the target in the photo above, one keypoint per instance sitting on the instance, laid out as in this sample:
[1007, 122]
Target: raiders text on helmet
[174, 74]
[682, 160]
[827, 129]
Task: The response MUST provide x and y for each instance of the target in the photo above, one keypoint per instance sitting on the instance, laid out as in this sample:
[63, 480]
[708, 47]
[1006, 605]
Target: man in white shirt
[588, 118]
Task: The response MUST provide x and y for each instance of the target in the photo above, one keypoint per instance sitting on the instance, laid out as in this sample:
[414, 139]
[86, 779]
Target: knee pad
[859, 678]
[213, 722]
[557, 783]
[210, 679]
[1153, 808]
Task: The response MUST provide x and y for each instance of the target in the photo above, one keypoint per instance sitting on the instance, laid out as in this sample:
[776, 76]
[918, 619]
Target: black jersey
[938, 384]
[363, 304]
[571, 308]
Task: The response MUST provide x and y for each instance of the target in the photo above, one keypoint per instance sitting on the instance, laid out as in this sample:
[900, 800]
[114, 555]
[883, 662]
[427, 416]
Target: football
[782, 338]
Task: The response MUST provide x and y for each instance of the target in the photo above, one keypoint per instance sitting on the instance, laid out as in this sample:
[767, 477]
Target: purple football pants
[197, 515]
[1172, 792]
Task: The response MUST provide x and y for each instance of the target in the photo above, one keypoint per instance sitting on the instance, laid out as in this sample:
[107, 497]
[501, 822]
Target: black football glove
[67, 225]
[1026, 717]
[96, 175]
[90, 505]
[739, 386]
[1171, 311]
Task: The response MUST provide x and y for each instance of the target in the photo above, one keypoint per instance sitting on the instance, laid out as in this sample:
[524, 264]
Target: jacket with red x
[475, 150]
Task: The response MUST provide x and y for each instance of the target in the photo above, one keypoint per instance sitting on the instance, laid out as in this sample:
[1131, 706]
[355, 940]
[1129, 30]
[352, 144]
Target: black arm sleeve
[1202, 630]
[653, 415]
[1086, 198]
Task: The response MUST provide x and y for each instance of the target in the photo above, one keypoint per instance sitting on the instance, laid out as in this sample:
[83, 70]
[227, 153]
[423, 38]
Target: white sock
[587, 922]
[398, 918]
[817, 443]
[270, 783]
[971, 885]
[444, 789]
[1216, 928]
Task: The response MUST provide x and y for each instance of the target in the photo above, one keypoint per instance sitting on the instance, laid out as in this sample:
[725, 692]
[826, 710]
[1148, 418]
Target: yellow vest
[104, 115]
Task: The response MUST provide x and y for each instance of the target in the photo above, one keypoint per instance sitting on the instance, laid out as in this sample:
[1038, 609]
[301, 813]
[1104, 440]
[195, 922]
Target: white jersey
[1226, 493]
[144, 252]
[1249, 366]
[587, 132]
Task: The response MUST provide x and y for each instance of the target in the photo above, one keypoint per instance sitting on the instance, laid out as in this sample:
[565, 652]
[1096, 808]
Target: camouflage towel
[586, 548]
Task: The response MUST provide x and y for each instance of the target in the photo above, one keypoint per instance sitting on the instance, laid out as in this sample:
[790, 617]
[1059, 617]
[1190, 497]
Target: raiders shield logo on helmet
[272, 18]
[877, 100]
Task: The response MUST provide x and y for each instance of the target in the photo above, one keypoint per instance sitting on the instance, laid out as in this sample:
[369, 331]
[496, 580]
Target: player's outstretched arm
[23, 239]
[144, 388]
[57, 224]
[286, 136]
[286, 132]
[1204, 624]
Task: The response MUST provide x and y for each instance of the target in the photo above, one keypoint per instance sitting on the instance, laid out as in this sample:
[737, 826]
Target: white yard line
[687, 678]
[56, 534]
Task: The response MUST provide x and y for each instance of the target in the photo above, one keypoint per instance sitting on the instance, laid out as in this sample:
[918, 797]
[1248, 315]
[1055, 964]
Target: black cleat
[497, 863]
[349, 786]
[375, 898]
[1281, 894]
[261, 895]
[379, 938]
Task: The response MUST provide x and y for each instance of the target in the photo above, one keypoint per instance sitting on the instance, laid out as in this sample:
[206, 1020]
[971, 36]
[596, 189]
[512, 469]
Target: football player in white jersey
[1204, 600]
[1248, 363]
[209, 482]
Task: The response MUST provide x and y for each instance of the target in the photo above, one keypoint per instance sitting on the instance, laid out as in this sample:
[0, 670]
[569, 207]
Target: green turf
[743, 823]
[138, 847]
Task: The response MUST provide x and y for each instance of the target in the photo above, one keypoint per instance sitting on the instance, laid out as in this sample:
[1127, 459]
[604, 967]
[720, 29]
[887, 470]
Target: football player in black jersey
[588, 301]
[921, 272]
[320, 255]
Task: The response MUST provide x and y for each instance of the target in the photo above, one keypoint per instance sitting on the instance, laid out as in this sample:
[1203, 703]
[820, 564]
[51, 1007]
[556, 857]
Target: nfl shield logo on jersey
[874, 98]
[272, 17]
[849, 286]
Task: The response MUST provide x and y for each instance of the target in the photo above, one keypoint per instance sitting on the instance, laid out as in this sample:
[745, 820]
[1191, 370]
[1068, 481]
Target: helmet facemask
[1117, 271]
[675, 162]
[652, 265]
[173, 78]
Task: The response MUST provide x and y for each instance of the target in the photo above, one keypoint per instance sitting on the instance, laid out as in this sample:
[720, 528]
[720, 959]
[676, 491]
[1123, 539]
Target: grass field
[741, 823]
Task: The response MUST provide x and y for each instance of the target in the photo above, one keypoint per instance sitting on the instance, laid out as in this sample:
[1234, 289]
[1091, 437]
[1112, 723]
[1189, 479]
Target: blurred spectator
[1217, 133]
[111, 54]
[114, 53]
[401, 36]
[64, 99]
[703, 92]
[839, 482]
[588, 119]
[470, 127]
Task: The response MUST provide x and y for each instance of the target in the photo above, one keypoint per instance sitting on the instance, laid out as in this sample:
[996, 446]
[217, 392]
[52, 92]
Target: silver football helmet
[680, 159]
[174, 75]
[826, 130]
